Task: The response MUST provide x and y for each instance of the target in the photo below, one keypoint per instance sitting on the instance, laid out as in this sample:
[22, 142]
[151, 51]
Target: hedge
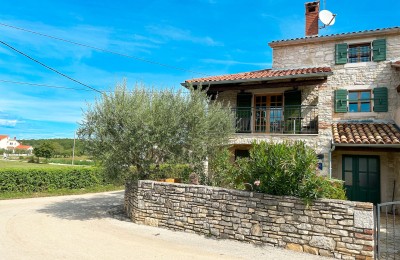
[47, 179]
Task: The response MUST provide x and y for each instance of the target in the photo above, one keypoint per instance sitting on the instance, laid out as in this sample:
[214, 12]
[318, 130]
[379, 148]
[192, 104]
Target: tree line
[60, 147]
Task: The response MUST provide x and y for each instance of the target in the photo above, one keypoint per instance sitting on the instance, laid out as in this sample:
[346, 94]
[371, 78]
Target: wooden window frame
[360, 101]
[359, 53]
[267, 116]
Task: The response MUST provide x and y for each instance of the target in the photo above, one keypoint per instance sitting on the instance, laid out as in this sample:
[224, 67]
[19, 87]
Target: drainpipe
[330, 158]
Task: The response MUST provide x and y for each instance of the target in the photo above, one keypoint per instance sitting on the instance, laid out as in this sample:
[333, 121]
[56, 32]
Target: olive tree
[144, 128]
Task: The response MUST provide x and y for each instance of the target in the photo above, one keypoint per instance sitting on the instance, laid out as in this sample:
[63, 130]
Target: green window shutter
[380, 99]
[292, 111]
[292, 103]
[341, 53]
[243, 112]
[341, 100]
[379, 49]
[292, 98]
[244, 100]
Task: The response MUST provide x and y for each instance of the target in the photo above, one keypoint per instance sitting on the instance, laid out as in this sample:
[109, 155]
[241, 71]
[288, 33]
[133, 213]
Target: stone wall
[340, 229]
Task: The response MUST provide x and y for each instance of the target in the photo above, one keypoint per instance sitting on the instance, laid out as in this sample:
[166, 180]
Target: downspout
[330, 158]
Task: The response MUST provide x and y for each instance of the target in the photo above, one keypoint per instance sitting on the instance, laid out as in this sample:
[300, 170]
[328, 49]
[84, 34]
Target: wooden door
[268, 113]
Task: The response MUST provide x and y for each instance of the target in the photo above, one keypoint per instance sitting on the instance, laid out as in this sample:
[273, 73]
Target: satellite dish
[327, 18]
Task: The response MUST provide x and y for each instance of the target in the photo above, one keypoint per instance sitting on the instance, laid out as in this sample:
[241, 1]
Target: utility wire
[69, 88]
[42, 85]
[103, 50]
[50, 68]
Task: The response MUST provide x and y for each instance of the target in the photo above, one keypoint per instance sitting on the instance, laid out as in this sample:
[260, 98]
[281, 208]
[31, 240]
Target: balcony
[277, 120]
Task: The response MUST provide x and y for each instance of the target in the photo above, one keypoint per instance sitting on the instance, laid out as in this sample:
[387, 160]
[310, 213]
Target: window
[268, 113]
[360, 101]
[242, 154]
[359, 52]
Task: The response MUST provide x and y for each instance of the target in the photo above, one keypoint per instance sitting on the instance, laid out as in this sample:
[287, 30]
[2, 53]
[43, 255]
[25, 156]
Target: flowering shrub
[285, 169]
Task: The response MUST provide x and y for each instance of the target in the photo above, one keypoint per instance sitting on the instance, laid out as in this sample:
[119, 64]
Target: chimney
[312, 10]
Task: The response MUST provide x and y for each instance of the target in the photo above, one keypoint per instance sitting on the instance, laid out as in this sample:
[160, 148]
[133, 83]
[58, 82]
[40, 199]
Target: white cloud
[96, 36]
[177, 34]
[7, 122]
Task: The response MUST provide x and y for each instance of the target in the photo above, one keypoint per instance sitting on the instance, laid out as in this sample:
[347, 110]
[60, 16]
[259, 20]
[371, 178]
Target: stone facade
[340, 229]
[311, 95]
[320, 52]
[350, 76]
[354, 76]
[389, 168]
[313, 52]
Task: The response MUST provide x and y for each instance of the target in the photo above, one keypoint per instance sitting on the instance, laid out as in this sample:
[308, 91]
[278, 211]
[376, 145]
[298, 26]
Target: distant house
[13, 146]
[26, 148]
[3, 141]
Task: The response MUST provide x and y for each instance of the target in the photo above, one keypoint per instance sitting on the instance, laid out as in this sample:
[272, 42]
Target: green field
[19, 164]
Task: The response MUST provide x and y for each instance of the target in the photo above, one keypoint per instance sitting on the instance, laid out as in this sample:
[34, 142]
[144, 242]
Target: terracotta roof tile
[23, 147]
[3, 137]
[261, 74]
[365, 133]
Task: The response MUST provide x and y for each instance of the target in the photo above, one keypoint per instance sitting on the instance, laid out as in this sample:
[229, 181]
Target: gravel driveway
[92, 227]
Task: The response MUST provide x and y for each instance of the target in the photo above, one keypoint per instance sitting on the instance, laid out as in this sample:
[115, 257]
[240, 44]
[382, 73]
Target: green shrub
[284, 169]
[33, 159]
[47, 179]
[224, 173]
[164, 171]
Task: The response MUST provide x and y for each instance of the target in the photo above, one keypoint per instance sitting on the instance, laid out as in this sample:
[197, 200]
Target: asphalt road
[93, 227]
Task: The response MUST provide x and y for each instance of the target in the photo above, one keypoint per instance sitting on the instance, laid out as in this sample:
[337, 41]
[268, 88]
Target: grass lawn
[4, 164]
[23, 195]
[19, 164]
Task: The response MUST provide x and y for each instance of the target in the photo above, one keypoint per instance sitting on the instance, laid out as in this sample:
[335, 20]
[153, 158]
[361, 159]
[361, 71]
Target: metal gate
[387, 230]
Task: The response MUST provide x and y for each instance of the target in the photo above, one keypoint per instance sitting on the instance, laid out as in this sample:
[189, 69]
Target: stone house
[339, 93]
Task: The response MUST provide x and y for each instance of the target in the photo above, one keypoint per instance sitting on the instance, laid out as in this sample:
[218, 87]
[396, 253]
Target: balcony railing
[277, 120]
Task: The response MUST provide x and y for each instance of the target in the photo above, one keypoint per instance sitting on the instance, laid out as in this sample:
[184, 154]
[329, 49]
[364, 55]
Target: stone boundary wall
[335, 228]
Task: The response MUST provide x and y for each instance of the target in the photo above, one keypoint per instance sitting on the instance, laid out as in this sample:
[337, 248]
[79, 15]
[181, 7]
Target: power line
[69, 88]
[103, 50]
[50, 68]
[42, 85]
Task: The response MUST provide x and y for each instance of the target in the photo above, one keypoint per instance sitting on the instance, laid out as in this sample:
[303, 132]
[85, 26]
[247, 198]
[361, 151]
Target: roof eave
[334, 37]
[368, 145]
[298, 76]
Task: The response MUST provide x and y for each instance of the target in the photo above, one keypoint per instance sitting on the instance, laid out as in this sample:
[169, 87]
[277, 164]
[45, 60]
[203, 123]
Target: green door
[362, 178]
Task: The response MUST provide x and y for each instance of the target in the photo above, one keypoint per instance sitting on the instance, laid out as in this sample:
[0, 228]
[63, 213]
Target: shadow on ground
[96, 207]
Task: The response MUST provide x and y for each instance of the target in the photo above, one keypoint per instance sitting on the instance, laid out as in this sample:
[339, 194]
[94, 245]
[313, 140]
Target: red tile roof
[263, 74]
[365, 133]
[396, 63]
[23, 147]
[3, 137]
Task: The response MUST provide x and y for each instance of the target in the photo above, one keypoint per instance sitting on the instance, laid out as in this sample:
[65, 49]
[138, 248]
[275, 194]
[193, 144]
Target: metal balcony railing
[278, 120]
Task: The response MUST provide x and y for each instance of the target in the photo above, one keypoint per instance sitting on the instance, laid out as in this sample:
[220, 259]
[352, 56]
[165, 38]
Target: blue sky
[204, 36]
